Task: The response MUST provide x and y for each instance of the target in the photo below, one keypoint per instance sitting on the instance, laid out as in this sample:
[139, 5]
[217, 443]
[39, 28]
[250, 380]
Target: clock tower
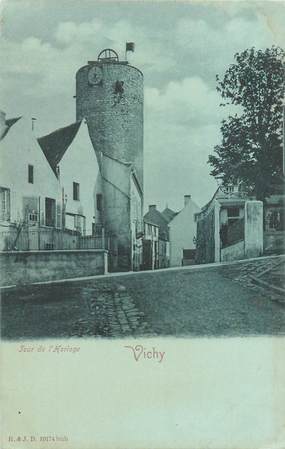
[109, 96]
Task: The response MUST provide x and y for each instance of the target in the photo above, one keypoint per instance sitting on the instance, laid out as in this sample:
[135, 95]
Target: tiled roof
[168, 214]
[55, 144]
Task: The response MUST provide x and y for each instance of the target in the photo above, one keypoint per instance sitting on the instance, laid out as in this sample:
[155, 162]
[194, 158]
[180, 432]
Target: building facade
[155, 217]
[30, 193]
[182, 234]
[70, 153]
[150, 246]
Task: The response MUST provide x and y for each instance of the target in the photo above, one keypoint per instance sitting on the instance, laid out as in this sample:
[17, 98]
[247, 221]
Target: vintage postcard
[142, 224]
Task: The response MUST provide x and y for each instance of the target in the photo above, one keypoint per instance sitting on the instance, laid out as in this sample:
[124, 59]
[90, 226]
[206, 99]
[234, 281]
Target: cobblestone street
[219, 301]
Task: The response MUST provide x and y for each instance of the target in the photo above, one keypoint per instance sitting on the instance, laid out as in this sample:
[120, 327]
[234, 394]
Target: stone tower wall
[114, 111]
[113, 108]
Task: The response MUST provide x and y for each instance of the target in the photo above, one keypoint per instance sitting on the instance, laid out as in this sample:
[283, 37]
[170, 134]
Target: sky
[179, 47]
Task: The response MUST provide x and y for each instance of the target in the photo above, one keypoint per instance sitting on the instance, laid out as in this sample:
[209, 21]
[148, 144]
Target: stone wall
[209, 226]
[25, 267]
[274, 242]
[233, 252]
[253, 229]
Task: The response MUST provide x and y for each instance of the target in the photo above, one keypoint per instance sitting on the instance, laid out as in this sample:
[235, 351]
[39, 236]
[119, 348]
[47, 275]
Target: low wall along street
[25, 267]
[233, 252]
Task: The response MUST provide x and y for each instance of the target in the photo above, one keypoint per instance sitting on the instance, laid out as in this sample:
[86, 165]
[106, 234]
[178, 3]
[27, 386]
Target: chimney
[3, 125]
[187, 199]
[152, 207]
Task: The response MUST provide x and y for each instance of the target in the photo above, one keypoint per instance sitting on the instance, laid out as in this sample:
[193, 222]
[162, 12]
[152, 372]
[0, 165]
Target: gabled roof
[55, 144]
[168, 214]
[155, 217]
[9, 123]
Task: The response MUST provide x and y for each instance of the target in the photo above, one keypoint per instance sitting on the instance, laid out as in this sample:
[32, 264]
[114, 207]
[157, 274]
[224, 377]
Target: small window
[50, 212]
[31, 174]
[76, 191]
[99, 202]
[4, 204]
[33, 216]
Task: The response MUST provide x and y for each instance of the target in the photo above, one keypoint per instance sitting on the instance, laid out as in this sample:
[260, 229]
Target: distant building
[229, 227]
[71, 156]
[182, 234]
[155, 217]
[150, 246]
[29, 192]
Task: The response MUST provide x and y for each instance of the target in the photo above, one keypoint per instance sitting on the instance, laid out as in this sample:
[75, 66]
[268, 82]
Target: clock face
[95, 75]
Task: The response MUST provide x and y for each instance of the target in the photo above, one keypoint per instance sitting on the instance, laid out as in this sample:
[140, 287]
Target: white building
[29, 189]
[72, 158]
[182, 234]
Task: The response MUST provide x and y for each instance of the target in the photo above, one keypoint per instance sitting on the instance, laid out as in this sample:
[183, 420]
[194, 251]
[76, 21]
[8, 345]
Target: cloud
[199, 39]
[52, 65]
[150, 55]
[189, 101]
[68, 33]
[182, 122]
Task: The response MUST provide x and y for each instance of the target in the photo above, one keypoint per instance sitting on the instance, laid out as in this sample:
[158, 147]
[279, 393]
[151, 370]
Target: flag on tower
[130, 46]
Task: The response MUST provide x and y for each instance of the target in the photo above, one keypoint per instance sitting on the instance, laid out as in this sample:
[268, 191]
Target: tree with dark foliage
[251, 148]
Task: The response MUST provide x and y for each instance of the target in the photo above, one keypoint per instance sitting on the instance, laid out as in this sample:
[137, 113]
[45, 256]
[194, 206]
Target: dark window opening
[50, 212]
[232, 233]
[76, 191]
[275, 219]
[99, 202]
[31, 174]
[119, 87]
[4, 204]
[233, 212]
[189, 253]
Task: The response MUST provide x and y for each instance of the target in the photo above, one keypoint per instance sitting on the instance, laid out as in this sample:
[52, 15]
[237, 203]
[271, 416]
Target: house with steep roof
[71, 156]
[29, 190]
[155, 217]
[182, 234]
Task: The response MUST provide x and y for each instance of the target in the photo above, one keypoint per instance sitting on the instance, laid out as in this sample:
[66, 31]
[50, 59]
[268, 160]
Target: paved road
[220, 301]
